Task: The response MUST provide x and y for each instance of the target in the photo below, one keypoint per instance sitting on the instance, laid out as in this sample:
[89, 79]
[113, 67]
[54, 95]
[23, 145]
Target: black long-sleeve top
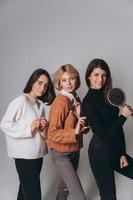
[105, 121]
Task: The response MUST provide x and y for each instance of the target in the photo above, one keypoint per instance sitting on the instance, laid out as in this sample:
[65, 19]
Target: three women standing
[24, 124]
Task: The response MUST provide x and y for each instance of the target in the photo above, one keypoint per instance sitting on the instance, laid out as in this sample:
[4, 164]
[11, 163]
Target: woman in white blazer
[24, 125]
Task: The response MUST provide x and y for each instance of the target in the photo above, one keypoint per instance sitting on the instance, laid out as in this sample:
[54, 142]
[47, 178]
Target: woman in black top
[107, 150]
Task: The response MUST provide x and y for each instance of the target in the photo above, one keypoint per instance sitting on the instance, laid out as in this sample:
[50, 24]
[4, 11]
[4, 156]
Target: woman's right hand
[123, 162]
[80, 127]
[127, 111]
[35, 126]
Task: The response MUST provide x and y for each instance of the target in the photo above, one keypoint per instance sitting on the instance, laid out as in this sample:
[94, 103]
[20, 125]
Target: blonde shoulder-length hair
[70, 69]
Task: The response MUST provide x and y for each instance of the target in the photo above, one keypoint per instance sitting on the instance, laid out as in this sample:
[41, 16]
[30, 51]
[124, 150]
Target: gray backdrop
[50, 33]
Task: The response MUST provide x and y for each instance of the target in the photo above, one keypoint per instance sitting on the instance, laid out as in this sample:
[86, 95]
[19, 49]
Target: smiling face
[39, 87]
[97, 78]
[68, 82]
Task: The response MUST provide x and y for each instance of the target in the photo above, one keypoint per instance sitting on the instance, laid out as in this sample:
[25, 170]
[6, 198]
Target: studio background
[49, 33]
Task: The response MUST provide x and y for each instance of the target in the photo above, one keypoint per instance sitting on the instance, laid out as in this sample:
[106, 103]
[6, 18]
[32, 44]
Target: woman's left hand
[80, 127]
[123, 162]
[76, 107]
[43, 123]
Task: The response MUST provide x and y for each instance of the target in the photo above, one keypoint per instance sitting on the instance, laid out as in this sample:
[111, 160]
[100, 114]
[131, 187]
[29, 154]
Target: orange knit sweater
[62, 122]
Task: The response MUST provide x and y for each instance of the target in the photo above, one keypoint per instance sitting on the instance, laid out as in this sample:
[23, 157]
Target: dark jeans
[29, 177]
[63, 163]
[103, 166]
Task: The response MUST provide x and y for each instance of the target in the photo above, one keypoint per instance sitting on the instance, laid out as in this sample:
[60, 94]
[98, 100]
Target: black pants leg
[103, 166]
[102, 169]
[20, 193]
[29, 177]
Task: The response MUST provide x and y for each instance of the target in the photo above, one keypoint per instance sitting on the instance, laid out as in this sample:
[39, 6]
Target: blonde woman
[66, 127]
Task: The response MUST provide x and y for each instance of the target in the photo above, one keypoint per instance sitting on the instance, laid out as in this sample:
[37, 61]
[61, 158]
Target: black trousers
[103, 165]
[29, 177]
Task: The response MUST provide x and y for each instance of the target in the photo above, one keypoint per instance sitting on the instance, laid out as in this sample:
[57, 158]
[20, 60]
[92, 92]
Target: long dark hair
[95, 63]
[49, 95]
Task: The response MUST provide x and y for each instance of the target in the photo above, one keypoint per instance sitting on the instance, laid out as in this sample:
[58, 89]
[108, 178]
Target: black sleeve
[91, 112]
[122, 143]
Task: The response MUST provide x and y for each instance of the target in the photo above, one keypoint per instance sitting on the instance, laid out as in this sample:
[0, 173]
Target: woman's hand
[42, 123]
[123, 162]
[76, 108]
[35, 126]
[127, 111]
[80, 127]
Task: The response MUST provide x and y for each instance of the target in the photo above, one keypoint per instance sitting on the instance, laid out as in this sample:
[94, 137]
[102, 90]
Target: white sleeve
[11, 123]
